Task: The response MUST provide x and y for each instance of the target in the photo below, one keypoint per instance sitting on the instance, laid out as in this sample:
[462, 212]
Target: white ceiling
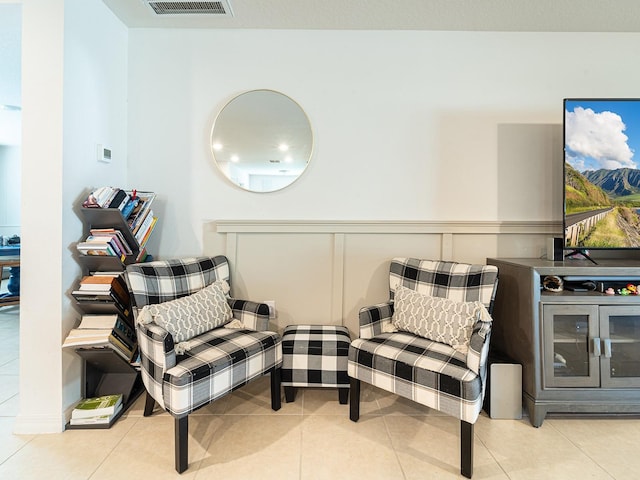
[471, 15]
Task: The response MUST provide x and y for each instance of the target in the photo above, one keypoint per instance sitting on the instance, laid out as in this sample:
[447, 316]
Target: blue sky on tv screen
[602, 134]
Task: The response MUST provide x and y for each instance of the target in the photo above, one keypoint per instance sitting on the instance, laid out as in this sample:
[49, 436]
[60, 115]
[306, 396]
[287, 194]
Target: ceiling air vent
[170, 7]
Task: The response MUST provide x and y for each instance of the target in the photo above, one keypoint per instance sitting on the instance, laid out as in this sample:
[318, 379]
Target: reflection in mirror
[262, 141]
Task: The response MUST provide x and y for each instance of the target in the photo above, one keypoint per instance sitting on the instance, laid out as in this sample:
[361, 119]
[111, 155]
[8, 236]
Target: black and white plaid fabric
[315, 356]
[217, 361]
[161, 281]
[427, 372]
[461, 282]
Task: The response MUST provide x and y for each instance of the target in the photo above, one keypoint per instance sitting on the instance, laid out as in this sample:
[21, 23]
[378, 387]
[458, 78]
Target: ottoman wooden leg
[289, 394]
[343, 395]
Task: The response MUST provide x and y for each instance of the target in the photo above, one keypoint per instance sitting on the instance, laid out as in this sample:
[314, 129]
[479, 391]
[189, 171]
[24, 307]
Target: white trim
[337, 281]
[380, 226]
[36, 424]
[352, 247]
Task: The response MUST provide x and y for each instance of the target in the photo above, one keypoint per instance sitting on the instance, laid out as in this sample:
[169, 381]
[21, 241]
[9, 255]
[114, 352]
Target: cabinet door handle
[596, 346]
[607, 347]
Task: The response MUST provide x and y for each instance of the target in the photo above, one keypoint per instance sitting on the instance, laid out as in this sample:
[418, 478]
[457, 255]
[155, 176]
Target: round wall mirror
[262, 141]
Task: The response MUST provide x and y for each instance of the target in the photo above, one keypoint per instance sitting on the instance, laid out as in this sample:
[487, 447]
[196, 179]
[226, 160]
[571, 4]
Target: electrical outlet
[272, 308]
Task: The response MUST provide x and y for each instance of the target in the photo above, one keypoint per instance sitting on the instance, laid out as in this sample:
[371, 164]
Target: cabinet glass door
[620, 332]
[571, 346]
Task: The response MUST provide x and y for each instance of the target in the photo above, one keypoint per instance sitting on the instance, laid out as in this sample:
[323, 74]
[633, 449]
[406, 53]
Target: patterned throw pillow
[438, 319]
[188, 317]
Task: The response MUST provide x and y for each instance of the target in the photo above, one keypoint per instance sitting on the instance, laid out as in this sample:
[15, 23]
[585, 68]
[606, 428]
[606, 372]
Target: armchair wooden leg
[182, 443]
[276, 401]
[466, 449]
[354, 400]
[148, 405]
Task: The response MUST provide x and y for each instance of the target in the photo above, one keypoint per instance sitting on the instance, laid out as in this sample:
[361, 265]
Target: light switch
[104, 154]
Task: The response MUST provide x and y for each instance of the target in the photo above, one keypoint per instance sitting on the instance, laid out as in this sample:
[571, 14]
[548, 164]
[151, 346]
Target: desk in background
[10, 257]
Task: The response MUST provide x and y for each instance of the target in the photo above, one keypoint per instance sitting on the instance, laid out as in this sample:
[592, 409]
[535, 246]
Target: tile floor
[239, 437]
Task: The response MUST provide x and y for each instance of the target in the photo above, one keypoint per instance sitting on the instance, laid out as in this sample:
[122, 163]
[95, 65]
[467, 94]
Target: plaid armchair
[217, 362]
[428, 372]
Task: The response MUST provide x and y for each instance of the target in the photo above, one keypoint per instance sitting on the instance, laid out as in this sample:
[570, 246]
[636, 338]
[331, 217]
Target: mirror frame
[262, 138]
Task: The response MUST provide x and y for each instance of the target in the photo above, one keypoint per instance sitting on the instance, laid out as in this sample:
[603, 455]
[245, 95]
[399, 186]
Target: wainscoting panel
[324, 272]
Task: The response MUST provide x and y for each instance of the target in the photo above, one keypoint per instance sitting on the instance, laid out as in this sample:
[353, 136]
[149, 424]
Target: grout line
[393, 447]
[108, 455]
[579, 448]
[477, 438]
[27, 442]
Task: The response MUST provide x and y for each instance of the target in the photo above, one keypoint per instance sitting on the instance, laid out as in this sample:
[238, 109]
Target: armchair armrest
[373, 317]
[253, 315]
[479, 348]
[157, 355]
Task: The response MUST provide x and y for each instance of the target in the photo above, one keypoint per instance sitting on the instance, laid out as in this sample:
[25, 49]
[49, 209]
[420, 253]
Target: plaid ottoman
[315, 356]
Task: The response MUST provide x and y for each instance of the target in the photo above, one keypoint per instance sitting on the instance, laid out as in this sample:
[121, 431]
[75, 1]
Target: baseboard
[36, 424]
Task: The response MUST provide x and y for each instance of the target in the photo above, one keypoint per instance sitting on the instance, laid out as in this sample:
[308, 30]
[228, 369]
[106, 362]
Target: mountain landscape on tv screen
[601, 208]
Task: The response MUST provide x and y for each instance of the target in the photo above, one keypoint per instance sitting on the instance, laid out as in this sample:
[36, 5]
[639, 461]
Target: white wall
[41, 308]
[95, 112]
[74, 90]
[408, 125]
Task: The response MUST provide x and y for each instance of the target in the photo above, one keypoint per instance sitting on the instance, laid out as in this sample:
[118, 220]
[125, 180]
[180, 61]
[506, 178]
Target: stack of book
[107, 197]
[135, 207]
[141, 219]
[102, 289]
[97, 410]
[104, 331]
[105, 241]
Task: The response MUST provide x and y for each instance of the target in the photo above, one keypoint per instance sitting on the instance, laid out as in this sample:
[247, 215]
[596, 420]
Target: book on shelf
[121, 328]
[105, 243]
[121, 347]
[107, 273]
[137, 361]
[141, 210]
[142, 255]
[97, 283]
[97, 420]
[97, 247]
[99, 197]
[118, 200]
[135, 207]
[143, 232]
[114, 235]
[98, 338]
[129, 202]
[102, 304]
[106, 297]
[132, 203]
[105, 405]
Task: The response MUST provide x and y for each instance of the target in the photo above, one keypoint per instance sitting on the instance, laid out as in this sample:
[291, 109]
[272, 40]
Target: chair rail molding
[320, 271]
[386, 226]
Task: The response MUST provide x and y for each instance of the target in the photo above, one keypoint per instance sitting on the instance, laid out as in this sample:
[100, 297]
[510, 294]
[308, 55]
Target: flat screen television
[601, 174]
